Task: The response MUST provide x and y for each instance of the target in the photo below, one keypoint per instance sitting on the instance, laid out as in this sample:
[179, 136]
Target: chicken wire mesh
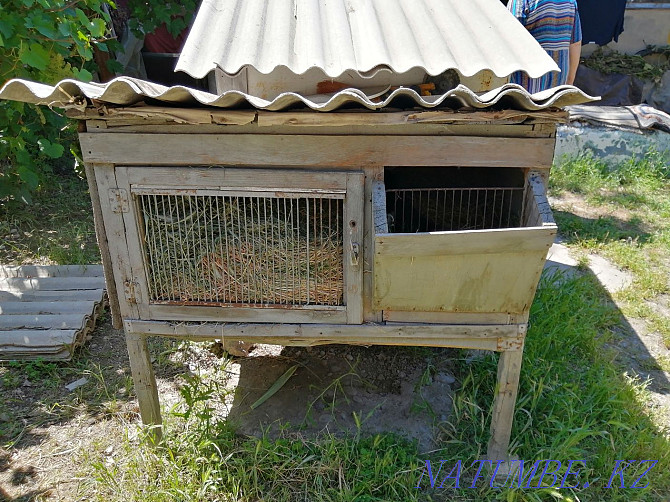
[411, 210]
[250, 250]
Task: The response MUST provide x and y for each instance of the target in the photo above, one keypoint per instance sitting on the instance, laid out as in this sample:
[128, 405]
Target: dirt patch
[51, 434]
[346, 390]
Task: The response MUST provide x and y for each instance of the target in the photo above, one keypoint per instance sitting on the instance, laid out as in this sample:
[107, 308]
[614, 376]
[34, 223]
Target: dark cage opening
[451, 199]
[258, 250]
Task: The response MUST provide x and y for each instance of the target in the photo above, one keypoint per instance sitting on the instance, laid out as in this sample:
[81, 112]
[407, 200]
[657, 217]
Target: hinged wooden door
[242, 245]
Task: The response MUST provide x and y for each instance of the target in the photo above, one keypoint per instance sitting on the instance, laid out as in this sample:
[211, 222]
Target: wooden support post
[101, 235]
[509, 368]
[145, 383]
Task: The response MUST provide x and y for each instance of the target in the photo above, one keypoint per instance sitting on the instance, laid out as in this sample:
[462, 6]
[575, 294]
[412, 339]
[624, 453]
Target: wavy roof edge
[126, 91]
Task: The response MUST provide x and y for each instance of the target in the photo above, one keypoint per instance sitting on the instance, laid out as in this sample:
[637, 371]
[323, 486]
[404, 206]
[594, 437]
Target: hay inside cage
[243, 250]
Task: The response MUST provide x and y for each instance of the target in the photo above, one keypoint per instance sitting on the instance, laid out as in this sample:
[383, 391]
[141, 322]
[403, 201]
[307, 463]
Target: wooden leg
[509, 367]
[145, 383]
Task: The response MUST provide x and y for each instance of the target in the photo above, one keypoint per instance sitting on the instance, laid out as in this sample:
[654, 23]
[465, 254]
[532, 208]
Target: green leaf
[29, 177]
[97, 27]
[275, 386]
[52, 150]
[7, 27]
[84, 75]
[35, 56]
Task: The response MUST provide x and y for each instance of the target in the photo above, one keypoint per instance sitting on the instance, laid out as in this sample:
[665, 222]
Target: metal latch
[355, 252]
[118, 200]
[129, 289]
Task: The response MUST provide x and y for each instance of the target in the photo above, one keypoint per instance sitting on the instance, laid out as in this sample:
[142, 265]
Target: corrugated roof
[364, 36]
[125, 91]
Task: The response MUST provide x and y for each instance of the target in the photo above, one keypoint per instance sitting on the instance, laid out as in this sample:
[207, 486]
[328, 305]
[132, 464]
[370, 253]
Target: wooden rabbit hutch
[305, 228]
[337, 219]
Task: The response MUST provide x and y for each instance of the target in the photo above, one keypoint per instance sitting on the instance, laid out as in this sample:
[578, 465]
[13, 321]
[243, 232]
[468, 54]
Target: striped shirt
[555, 25]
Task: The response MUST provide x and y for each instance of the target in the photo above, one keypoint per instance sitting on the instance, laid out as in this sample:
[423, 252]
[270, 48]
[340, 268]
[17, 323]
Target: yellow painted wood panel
[482, 282]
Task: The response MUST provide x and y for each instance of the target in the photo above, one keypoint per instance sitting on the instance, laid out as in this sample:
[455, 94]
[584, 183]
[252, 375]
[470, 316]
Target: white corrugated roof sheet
[365, 36]
[125, 91]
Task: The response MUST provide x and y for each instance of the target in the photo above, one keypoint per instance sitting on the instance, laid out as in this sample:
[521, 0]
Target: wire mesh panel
[413, 210]
[243, 249]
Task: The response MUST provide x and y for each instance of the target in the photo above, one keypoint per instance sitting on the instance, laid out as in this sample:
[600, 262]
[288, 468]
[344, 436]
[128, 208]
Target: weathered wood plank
[35, 295]
[502, 117]
[44, 308]
[326, 151]
[218, 178]
[467, 337]
[372, 175]
[116, 238]
[498, 130]
[497, 241]
[30, 271]
[245, 314]
[144, 381]
[37, 338]
[334, 331]
[103, 245]
[43, 321]
[509, 368]
[20, 284]
[160, 114]
[353, 242]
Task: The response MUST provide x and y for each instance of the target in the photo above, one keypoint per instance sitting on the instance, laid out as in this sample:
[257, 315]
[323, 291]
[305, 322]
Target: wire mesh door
[414, 210]
[219, 249]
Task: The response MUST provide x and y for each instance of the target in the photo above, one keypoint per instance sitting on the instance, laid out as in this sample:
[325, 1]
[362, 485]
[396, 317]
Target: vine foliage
[47, 41]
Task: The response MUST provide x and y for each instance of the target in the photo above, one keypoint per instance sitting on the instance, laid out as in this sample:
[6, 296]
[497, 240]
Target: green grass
[573, 403]
[57, 228]
[630, 224]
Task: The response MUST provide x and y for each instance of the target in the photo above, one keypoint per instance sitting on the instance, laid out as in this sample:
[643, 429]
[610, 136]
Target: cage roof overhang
[361, 36]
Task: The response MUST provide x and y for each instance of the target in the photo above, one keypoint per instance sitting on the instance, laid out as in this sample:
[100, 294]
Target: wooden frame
[307, 147]
[345, 185]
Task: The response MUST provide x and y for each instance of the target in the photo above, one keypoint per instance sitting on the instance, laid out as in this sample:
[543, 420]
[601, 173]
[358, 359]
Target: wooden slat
[30, 296]
[482, 337]
[160, 114]
[145, 382]
[103, 245]
[37, 338]
[19, 284]
[509, 368]
[377, 120]
[497, 241]
[353, 242]
[327, 151]
[392, 332]
[116, 238]
[372, 175]
[28, 271]
[43, 321]
[244, 314]
[218, 178]
[43, 308]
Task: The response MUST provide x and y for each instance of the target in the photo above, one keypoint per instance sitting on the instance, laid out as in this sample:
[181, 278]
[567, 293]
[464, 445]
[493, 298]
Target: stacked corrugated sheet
[46, 312]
